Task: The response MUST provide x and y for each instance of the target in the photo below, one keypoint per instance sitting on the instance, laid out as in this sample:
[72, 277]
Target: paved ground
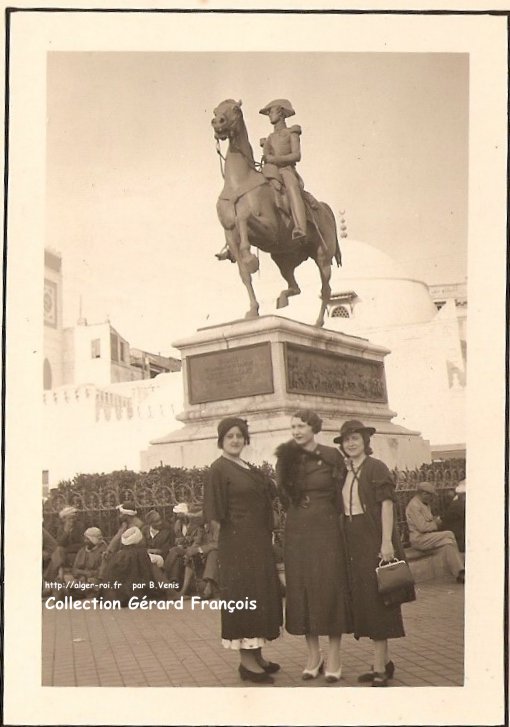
[182, 649]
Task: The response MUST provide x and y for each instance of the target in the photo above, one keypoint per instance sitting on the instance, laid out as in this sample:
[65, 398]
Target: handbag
[395, 582]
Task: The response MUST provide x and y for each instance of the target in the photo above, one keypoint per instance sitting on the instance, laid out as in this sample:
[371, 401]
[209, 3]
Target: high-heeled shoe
[379, 680]
[271, 667]
[389, 671]
[254, 676]
[313, 673]
[333, 676]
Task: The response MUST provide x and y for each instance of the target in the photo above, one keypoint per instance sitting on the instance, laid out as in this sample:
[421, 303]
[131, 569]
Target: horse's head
[226, 118]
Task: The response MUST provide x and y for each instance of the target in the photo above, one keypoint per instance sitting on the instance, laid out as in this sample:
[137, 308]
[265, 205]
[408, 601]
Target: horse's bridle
[256, 166]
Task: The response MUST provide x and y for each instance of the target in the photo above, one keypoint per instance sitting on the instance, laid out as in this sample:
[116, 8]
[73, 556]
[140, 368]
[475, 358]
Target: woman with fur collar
[317, 601]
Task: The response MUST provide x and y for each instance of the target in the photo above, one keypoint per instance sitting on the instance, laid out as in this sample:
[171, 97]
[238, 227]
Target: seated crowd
[169, 559]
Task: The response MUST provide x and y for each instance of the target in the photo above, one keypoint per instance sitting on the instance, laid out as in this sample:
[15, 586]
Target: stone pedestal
[266, 368]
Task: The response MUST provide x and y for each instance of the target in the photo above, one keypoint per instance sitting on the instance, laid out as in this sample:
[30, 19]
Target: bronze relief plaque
[230, 374]
[322, 373]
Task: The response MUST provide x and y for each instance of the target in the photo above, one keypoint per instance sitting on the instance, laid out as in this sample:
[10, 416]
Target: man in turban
[131, 567]
[425, 530]
[128, 518]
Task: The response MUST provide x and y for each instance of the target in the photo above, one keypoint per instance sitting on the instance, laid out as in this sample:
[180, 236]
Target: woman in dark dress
[371, 535]
[238, 504]
[315, 566]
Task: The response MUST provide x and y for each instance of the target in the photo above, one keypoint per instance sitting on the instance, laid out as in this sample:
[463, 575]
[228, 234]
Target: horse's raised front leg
[287, 265]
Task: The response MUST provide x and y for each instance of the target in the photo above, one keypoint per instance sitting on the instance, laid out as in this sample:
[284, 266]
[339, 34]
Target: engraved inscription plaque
[236, 372]
[321, 373]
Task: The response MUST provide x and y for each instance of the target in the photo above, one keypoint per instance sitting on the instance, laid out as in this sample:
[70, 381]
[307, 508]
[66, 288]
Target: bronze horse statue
[252, 212]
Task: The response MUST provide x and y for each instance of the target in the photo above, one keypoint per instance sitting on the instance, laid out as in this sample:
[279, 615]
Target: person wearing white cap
[128, 518]
[425, 530]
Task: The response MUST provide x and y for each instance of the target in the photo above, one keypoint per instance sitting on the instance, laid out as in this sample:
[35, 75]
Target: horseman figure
[271, 210]
[281, 152]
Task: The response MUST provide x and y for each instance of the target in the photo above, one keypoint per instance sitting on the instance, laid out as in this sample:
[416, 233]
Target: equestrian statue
[269, 208]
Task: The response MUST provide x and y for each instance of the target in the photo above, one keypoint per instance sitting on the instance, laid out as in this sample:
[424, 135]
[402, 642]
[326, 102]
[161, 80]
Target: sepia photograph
[250, 426]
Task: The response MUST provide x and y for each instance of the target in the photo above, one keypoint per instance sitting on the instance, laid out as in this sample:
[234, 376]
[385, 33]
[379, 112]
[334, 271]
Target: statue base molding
[263, 369]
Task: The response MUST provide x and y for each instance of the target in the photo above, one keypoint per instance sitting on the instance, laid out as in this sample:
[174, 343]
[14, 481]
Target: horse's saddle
[272, 173]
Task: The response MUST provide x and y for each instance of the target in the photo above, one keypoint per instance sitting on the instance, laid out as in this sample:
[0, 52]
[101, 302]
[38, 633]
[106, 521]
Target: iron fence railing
[96, 496]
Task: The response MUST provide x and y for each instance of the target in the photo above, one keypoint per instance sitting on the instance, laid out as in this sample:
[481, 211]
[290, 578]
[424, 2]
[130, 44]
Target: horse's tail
[337, 254]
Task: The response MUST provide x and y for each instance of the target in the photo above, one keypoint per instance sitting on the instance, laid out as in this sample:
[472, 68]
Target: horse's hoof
[282, 301]
[225, 254]
[293, 291]
[252, 313]
[319, 323]
[250, 263]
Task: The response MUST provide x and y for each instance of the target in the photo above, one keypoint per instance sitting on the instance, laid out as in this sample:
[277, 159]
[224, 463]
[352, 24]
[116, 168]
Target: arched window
[47, 377]
[341, 311]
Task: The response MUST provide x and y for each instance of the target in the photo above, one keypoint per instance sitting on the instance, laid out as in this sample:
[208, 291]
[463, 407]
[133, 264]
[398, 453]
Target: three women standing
[340, 523]
[238, 503]
[317, 589]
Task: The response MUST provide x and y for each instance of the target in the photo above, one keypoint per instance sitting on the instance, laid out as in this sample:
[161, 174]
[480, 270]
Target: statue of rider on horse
[270, 208]
[281, 151]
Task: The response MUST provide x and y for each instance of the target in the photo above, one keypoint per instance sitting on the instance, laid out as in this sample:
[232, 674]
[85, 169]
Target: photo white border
[32, 35]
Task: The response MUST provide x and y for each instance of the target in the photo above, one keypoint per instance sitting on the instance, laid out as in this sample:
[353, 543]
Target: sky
[133, 176]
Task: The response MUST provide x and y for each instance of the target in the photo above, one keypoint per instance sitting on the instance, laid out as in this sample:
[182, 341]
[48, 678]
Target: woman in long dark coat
[238, 504]
[371, 535]
[315, 566]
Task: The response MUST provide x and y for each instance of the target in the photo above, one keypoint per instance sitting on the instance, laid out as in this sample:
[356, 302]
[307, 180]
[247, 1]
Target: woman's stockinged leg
[250, 660]
[334, 661]
[314, 654]
[380, 655]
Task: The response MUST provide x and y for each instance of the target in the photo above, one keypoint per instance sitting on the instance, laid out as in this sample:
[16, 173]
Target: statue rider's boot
[225, 254]
[298, 235]
[298, 216]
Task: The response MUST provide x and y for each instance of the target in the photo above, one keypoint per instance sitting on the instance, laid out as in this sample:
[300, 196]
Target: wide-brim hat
[351, 426]
[283, 103]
